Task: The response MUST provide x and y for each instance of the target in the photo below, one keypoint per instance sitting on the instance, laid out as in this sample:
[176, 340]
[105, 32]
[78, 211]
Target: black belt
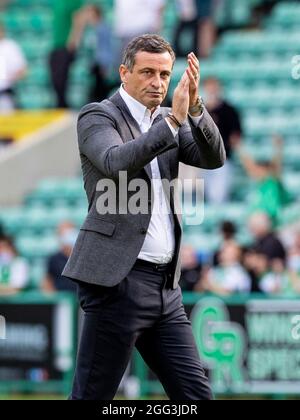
[153, 266]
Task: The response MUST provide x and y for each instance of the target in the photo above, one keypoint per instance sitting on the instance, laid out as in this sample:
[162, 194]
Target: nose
[156, 81]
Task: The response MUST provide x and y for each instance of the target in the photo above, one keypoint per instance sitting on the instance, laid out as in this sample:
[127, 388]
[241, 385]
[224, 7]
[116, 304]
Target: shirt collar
[137, 110]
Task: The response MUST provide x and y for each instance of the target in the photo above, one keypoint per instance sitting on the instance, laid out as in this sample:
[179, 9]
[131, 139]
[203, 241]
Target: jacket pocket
[94, 224]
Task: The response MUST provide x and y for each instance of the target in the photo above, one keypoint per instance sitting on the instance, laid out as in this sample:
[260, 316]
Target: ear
[123, 73]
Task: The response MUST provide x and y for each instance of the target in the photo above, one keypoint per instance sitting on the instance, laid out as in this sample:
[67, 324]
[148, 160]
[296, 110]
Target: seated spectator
[228, 232]
[257, 266]
[54, 281]
[190, 268]
[13, 68]
[218, 183]
[278, 280]
[267, 243]
[271, 195]
[230, 277]
[14, 270]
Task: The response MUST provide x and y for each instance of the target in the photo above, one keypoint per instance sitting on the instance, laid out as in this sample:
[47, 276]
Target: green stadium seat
[37, 273]
[37, 246]
[285, 15]
[292, 183]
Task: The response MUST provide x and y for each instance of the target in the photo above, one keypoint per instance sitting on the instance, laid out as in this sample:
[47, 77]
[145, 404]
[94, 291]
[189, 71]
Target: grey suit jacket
[110, 141]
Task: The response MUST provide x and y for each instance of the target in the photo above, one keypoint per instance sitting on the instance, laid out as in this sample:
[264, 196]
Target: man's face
[149, 80]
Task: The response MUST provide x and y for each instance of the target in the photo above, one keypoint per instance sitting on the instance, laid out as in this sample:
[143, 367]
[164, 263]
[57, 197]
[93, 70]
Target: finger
[192, 81]
[194, 57]
[186, 80]
[193, 68]
[183, 78]
[194, 60]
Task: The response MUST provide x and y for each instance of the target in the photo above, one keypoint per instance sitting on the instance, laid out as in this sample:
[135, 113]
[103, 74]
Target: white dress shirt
[159, 244]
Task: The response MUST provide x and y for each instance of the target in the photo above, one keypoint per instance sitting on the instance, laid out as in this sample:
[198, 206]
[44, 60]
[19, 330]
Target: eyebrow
[151, 69]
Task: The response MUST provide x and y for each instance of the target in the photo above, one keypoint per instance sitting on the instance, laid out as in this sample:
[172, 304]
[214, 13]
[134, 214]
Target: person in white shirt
[126, 261]
[14, 270]
[136, 17]
[230, 277]
[13, 67]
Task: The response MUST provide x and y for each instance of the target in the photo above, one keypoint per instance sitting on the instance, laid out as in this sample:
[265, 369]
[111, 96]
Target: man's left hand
[193, 72]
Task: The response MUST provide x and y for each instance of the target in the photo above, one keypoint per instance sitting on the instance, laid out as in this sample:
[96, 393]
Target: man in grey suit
[126, 263]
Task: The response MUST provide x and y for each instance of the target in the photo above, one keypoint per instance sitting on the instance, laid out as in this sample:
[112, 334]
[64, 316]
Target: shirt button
[143, 231]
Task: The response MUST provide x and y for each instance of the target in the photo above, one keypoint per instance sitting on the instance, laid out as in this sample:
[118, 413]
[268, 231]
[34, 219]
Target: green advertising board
[248, 345]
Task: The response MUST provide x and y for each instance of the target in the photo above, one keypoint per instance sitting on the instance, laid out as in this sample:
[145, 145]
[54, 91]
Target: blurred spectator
[103, 59]
[267, 243]
[270, 195]
[257, 266]
[13, 68]
[187, 23]
[218, 182]
[294, 255]
[54, 281]
[190, 268]
[294, 262]
[68, 27]
[207, 29]
[228, 232]
[277, 280]
[230, 277]
[14, 270]
[137, 17]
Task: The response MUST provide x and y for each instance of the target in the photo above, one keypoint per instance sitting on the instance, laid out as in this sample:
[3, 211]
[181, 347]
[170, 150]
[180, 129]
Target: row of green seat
[258, 43]
[246, 71]
[286, 15]
[206, 237]
[34, 20]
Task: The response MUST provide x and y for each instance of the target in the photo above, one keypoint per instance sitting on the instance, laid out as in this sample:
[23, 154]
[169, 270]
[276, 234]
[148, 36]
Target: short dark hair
[149, 43]
[228, 229]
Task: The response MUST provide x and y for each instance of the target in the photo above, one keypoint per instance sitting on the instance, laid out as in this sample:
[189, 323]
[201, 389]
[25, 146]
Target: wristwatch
[199, 107]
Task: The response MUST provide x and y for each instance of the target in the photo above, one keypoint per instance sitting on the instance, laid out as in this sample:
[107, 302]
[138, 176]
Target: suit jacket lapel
[133, 126]
[162, 159]
[136, 132]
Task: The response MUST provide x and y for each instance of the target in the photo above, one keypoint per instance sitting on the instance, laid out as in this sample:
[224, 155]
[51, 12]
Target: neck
[151, 109]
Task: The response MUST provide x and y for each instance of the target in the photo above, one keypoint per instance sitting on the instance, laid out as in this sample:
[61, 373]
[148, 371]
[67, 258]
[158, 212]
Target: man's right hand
[180, 106]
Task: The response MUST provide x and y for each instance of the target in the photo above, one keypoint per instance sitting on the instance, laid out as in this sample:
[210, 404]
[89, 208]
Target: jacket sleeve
[100, 141]
[201, 146]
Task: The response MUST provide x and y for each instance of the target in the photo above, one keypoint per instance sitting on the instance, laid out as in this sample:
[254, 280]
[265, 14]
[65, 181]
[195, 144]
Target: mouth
[155, 93]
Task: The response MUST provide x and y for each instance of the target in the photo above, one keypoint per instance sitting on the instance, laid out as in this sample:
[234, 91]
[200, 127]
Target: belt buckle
[161, 267]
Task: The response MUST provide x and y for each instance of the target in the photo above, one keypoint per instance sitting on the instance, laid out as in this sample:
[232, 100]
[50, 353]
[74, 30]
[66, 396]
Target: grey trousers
[143, 312]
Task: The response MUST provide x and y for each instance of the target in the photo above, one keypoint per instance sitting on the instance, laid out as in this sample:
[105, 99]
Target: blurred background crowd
[63, 54]
[58, 55]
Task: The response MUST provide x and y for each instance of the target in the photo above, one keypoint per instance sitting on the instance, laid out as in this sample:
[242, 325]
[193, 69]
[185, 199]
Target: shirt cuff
[174, 130]
[196, 120]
